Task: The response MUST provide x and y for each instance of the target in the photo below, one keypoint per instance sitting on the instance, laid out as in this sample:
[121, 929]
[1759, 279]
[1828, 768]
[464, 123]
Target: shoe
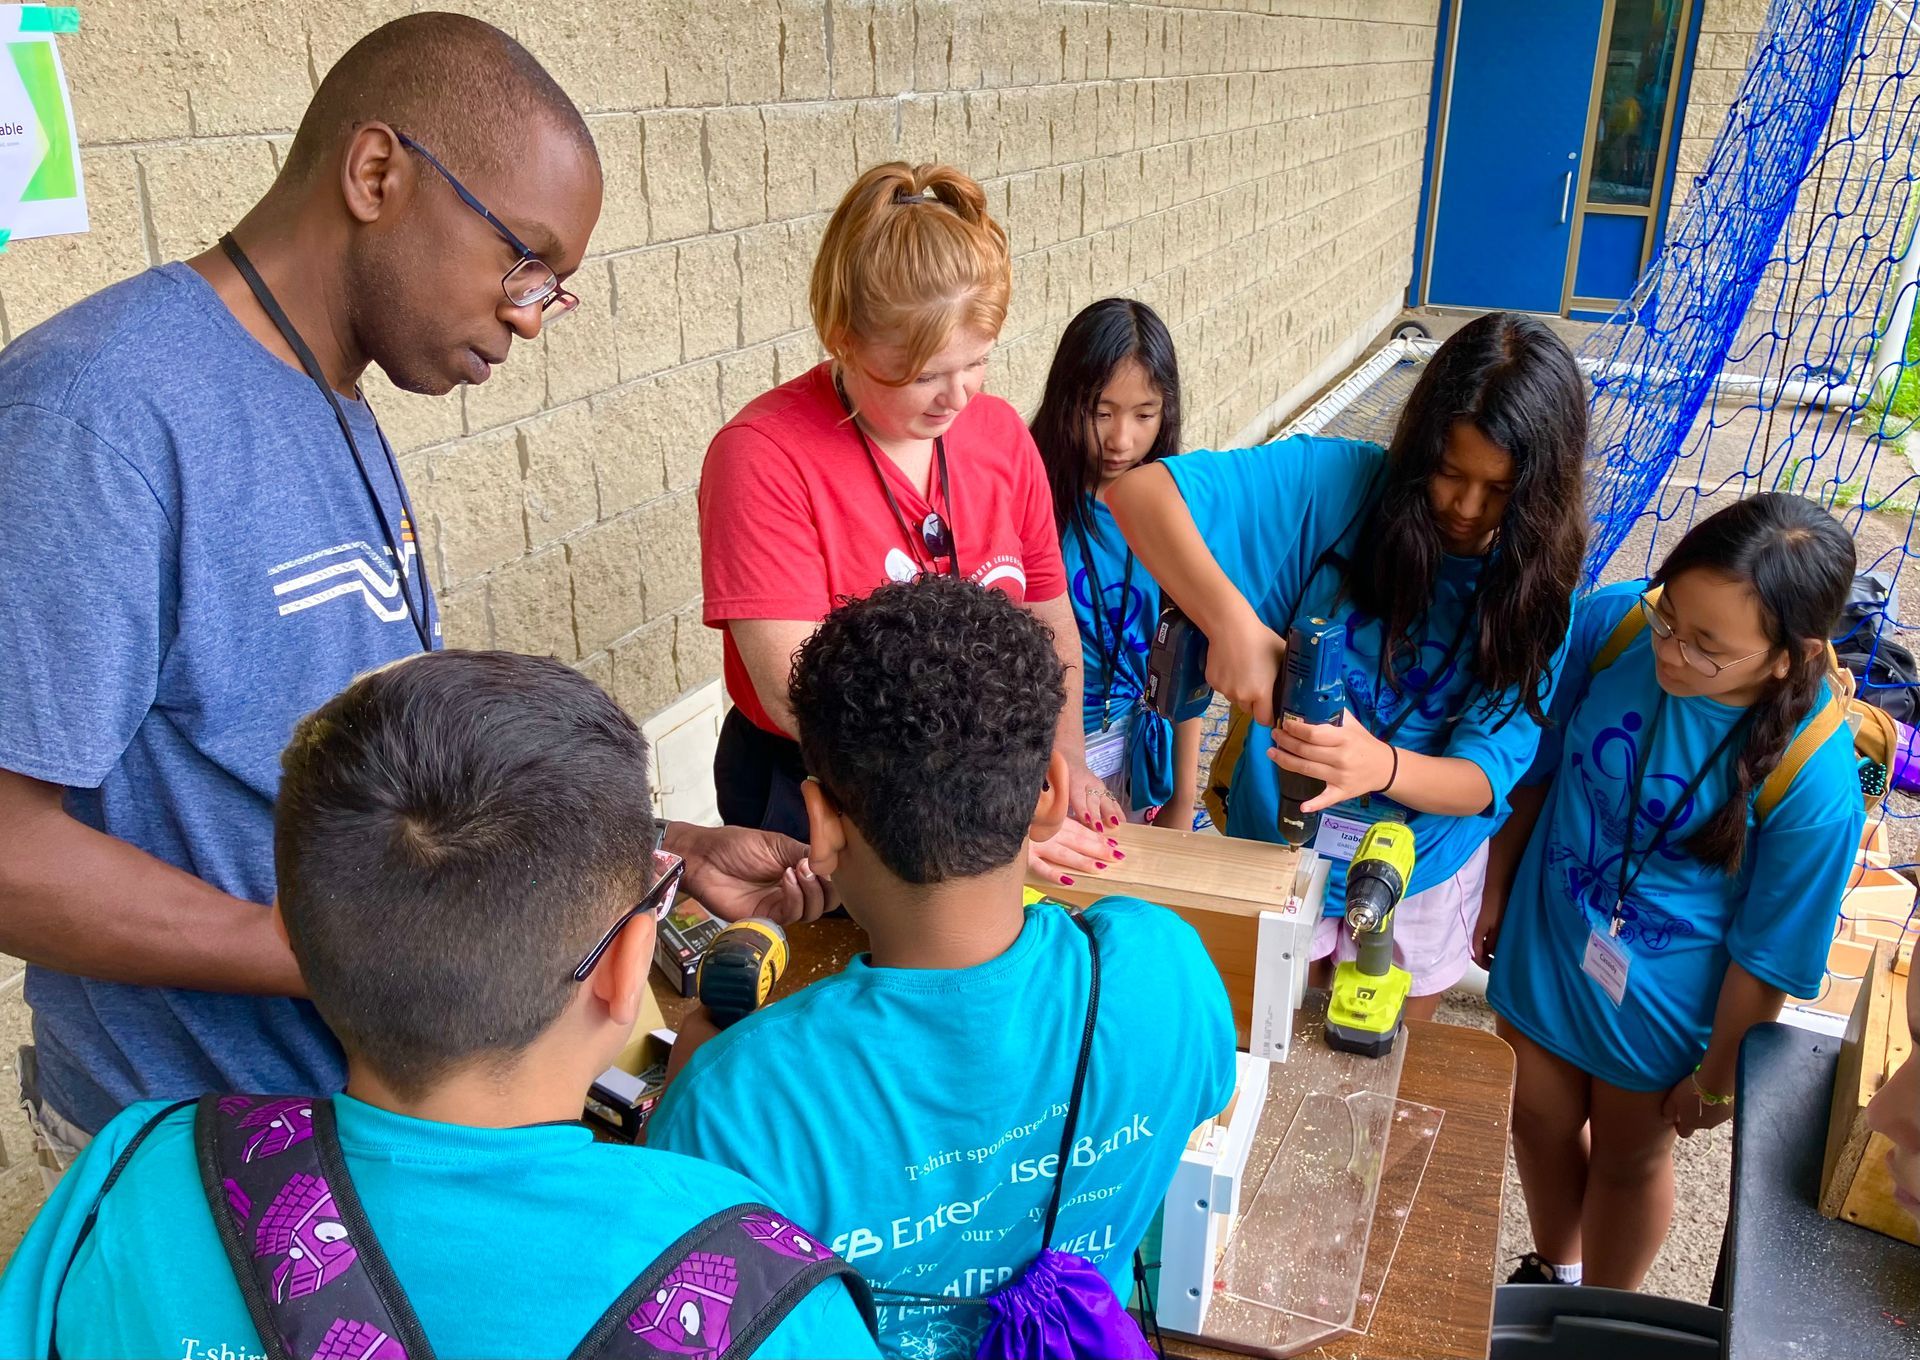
[1533, 1269]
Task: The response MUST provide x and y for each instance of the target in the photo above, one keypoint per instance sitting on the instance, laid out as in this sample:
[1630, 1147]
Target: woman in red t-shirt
[883, 462]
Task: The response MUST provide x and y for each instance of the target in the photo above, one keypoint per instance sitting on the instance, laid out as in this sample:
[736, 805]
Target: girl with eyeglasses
[1111, 404]
[883, 463]
[1647, 901]
[1447, 563]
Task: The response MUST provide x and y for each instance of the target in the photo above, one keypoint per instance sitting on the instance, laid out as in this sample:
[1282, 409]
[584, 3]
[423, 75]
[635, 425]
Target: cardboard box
[622, 1097]
[683, 936]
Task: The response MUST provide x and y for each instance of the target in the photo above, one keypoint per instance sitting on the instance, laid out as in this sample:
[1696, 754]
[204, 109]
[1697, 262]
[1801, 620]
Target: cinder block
[532, 603]
[643, 672]
[646, 312]
[243, 74]
[668, 533]
[556, 453]
[583, 355]
[607, 57]
[809, 158]
[745, 375]
[891, 39]
[803, 59]
[709, 291]
[197, 190]
[684, 417]
[598, 668]
[769, 288]
[736, 168]
[477, 501]
[627, 464]
[122, 48]
[692, 42]
[676, 176]
[696, 650]
[332, 28]
[464, 618]
[621, 139]
[752, 45]
[416, 475]
[608, 602]
[48, 273]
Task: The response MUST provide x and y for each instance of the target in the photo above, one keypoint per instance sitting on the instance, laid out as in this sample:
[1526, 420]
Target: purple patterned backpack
[318, 1286]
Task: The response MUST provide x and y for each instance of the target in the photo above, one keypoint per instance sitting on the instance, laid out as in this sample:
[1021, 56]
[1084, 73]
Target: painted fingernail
[1119, 854]
[1064, 879]
[1099, 864]
[1113, 821]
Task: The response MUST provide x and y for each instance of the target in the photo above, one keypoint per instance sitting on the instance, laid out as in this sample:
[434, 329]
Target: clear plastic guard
[1312, 1250]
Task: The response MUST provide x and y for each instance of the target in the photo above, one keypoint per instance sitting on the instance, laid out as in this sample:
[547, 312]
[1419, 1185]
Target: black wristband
[1393, 751]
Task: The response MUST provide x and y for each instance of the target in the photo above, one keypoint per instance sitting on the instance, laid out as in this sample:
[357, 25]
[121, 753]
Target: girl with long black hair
[1671, 870]
[1111, 404]
[1448, 562]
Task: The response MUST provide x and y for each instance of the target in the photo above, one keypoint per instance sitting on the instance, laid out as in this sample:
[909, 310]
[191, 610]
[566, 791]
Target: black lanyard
[1673, 812]
[1111, 661]
[916, 543]
[278, 316]
[1439, 672]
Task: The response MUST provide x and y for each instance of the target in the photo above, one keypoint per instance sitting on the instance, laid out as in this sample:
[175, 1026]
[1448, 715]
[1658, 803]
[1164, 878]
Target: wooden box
[1243, 897]
[1854, 1182]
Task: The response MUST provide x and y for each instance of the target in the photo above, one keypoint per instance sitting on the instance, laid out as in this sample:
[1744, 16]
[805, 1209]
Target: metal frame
[1569, 301]
[1439, 151]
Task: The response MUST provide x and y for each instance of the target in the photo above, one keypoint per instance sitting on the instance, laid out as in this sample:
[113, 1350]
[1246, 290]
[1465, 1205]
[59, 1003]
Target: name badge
[1106, 753]
[1338, 836]
[1607, 963]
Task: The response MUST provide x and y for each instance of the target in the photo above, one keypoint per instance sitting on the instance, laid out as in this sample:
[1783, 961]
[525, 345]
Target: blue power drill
[1311, 692]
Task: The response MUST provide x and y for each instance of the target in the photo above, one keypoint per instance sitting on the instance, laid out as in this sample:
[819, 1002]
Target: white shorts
[1432, 930]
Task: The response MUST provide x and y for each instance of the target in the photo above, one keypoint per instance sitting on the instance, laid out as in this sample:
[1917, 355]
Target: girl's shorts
[1432, 930]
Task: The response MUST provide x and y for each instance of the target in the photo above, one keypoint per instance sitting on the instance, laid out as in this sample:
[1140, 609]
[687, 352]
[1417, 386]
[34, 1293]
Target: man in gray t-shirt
[206, 537]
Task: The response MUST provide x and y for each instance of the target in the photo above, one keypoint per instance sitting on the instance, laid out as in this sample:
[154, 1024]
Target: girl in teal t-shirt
[1112, 403]
[1449, 558]
[1644, 916]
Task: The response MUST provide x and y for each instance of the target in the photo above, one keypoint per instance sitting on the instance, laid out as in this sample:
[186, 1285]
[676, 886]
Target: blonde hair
[910, 257]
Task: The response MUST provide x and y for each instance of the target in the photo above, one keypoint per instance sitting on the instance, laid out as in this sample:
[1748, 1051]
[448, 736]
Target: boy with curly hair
[911, 1108]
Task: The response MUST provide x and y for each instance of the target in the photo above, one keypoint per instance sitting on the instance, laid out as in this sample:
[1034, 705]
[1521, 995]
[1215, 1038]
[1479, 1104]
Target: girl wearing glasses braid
[1648, 898]
[1445, 562]
[881, 464]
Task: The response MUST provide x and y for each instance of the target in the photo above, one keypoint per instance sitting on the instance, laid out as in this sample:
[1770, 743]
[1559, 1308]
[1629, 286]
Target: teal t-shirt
[914, 1116]
[508, 1242]
[1116, 606]
[1684, 921]
[1274, 517]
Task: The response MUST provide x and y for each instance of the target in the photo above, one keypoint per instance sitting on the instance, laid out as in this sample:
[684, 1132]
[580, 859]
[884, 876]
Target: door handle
[1566, 197]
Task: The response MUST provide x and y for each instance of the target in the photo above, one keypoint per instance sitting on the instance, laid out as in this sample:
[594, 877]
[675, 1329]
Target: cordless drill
[1311, 692]
[739, 969]
[1369, 998]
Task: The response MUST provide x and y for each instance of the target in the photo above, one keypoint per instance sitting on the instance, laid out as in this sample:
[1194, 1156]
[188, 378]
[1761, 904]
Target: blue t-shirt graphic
[191, 563]
[1682, 920]
[507, 1242]
[918, 1113]
[1276, 518]
[1116, 632]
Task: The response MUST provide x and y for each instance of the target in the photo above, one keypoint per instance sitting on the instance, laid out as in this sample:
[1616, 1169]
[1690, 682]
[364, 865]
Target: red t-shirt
[792, 516]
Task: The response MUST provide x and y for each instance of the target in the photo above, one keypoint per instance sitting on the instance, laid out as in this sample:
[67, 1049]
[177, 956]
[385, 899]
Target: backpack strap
[1072, 1125]
[720, 1290]
[1830, 719]
[1631, 625]
[316, 1283]
[93, 1216]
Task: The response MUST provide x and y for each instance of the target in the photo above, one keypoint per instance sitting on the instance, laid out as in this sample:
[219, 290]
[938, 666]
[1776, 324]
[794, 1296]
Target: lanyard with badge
[936, 538]
[284, 325]
[1106, 753]
[1607, 960]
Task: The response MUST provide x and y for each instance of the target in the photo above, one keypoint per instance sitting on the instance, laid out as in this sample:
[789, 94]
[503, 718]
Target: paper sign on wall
[41, 189]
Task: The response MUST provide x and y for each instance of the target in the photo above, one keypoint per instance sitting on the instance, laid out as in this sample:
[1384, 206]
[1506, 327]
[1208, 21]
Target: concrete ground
[20, 1194]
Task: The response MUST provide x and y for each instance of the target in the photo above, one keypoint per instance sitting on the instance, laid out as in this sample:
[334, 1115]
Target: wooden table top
[1438, 1299]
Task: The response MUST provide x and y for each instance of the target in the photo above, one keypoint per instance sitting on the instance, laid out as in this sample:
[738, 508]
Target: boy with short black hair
[912, 1106]
[465, 848]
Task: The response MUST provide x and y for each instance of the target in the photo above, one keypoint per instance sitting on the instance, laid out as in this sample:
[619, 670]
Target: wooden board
[1854, 1183]
[1218, 884]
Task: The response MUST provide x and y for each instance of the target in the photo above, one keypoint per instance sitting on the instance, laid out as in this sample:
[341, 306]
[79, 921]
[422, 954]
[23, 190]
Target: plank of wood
[1854, 1084]
[1870, 1201]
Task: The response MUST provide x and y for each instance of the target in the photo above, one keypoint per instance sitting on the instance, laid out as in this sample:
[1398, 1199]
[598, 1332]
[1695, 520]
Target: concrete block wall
[1251, 167]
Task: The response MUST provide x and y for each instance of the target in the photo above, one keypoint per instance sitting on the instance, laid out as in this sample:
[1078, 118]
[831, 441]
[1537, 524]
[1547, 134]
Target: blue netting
[1752, 354]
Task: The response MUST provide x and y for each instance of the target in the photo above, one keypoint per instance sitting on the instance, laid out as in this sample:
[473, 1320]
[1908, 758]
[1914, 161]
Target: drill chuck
[739, 969]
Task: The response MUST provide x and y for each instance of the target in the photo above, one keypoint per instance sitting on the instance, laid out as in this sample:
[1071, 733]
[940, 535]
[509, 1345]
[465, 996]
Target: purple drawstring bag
[1060, 1307]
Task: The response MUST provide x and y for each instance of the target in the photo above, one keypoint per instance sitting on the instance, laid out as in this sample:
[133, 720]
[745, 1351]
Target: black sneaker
[1533, 1269]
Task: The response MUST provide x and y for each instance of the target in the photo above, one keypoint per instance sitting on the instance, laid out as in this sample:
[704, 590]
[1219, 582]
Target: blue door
[1522, 77]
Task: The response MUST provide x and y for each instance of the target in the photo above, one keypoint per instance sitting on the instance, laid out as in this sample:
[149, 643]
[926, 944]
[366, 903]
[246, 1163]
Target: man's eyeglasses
[668, 870]
[1705, 665]
[528, 282]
